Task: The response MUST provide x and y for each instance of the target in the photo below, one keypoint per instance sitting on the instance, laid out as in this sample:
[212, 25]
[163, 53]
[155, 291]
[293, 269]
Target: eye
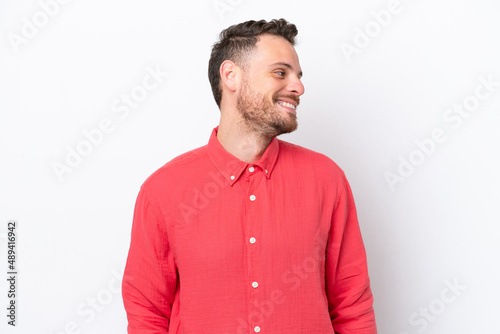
[280, 73]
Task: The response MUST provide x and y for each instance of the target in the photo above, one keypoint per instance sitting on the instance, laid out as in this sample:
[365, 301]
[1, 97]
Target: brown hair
[238, 41]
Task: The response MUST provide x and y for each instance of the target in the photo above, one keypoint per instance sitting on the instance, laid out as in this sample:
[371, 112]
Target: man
[249, 234]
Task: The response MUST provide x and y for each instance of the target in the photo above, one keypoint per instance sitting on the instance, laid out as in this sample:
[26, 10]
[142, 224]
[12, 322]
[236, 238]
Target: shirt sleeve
[350, 299]
[150, 276]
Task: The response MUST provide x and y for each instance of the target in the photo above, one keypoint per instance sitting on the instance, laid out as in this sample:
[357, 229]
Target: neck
[240, 141]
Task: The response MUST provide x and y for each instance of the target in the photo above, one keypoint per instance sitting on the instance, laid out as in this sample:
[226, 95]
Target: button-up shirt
[223, 246]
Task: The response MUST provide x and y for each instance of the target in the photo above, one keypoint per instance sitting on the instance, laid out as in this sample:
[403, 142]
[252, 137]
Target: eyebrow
[287, 66]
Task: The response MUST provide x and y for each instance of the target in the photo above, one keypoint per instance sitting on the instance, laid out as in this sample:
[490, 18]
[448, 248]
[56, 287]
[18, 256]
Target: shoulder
[178, 168]
[306, 157]
[314, 166]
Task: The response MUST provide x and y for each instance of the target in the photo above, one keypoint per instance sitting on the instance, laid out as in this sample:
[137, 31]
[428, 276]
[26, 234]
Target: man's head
[255, 69]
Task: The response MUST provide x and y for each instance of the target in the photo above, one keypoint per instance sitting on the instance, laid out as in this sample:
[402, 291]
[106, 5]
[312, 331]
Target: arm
[348, 290]
[150, 278]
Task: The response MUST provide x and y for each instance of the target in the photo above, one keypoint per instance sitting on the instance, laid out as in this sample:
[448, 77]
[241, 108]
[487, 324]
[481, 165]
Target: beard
[262, 116]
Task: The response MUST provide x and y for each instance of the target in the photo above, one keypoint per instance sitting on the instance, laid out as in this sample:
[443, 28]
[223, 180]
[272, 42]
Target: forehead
[271, 49]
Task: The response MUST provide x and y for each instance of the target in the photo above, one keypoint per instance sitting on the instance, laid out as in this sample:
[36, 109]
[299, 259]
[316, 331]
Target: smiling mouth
[287, 105]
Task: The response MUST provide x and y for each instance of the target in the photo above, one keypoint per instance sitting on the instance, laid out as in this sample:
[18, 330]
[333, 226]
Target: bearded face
[264, 114]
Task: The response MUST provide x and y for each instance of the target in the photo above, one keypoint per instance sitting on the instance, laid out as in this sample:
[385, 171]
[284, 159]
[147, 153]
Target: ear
[230, 74]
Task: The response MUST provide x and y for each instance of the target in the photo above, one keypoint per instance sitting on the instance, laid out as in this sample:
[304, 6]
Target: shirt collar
[231, 167]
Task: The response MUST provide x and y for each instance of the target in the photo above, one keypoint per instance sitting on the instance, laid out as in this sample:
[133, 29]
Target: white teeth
[286, 104]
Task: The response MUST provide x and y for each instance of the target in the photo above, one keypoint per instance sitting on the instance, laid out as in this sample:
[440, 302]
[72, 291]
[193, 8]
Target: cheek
[273, 96]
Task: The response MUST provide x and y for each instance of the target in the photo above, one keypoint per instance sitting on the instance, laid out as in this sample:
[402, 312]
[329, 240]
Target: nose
[295, 86]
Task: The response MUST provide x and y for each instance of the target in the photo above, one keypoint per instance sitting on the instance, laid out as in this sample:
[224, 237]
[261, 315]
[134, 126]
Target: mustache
[292, 97]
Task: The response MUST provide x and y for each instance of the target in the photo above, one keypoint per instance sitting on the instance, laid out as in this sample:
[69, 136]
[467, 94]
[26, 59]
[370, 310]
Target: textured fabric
[222, 246]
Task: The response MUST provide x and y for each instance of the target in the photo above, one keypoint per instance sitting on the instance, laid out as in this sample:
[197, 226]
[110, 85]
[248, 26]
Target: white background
[439, 226]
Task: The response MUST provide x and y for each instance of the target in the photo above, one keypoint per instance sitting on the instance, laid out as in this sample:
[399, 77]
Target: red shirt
[222, 246]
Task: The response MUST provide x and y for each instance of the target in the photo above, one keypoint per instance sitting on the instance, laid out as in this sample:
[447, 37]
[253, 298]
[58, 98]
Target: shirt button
[266, 171]
[255, 284]
[252, 197]
[256, 329]
[232, 177]
[251, 169]
[252, 240]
